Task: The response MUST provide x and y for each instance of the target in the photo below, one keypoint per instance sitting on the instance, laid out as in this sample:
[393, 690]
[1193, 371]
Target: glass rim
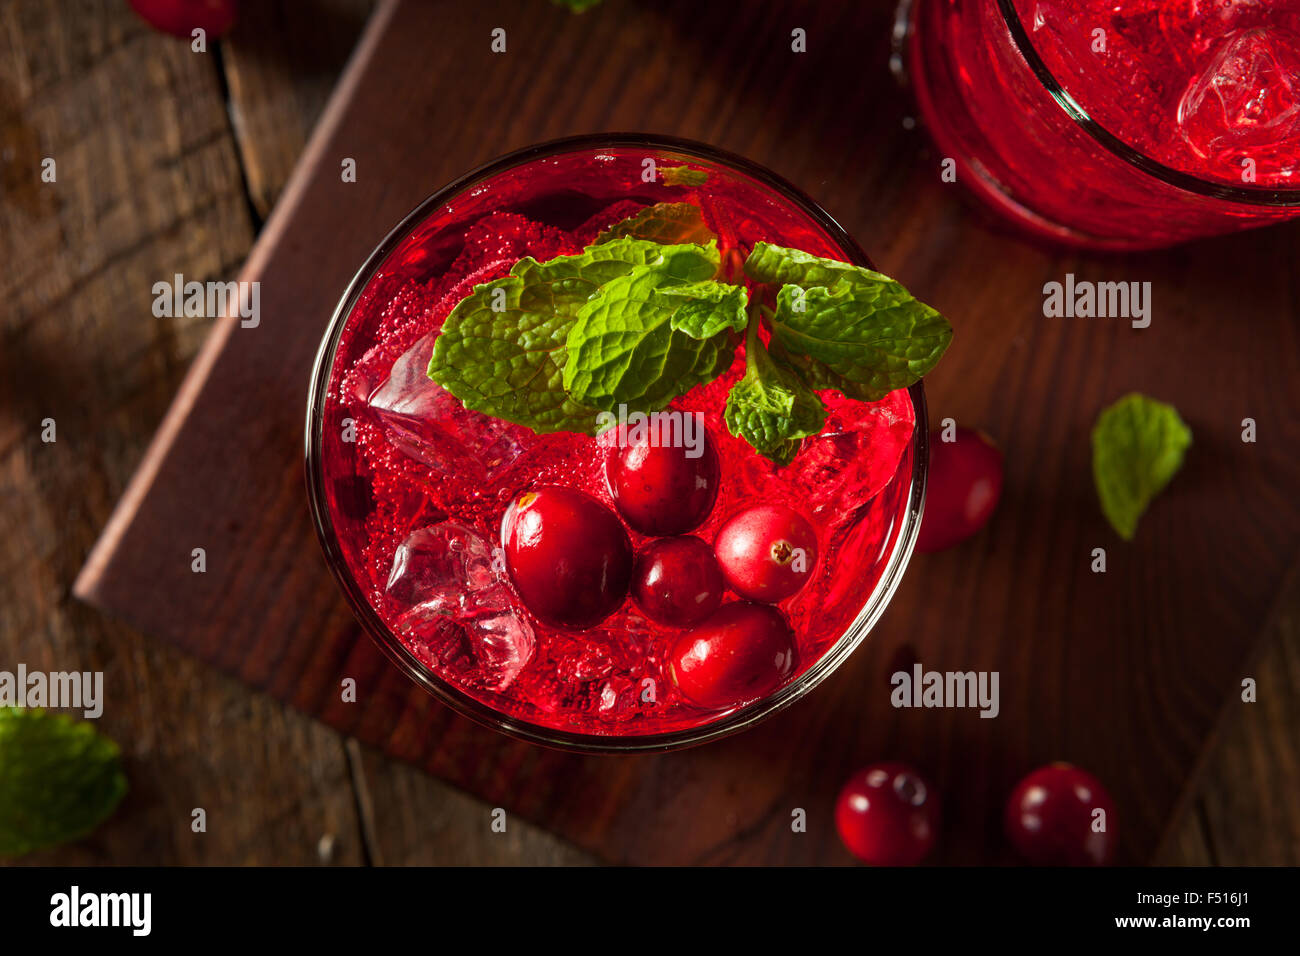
[1255, 195]
[460, 701]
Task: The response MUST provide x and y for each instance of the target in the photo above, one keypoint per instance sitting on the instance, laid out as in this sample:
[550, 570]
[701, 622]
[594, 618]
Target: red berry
[742, 653]
[568, 556]
[767, 552]
[1052, 818]
[182, 17]
[888, 815]
[676, 581]
[963, 487]
[660, 489]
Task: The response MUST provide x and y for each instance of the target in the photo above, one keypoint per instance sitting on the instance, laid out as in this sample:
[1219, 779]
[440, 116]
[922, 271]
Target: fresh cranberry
[741, 653]
[676, 581]
[182, 17]
[767, 552]
[1052, 818]
[659, 488]
[963, 488]
[888, 815]
[568, 556]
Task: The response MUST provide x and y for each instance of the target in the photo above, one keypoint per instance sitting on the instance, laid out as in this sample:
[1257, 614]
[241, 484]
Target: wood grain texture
[147, 185]
[281, 64]
[916, 240]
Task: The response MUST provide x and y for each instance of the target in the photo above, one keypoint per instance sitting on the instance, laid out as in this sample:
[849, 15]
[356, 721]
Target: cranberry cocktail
[1115, 123]
[620, 439]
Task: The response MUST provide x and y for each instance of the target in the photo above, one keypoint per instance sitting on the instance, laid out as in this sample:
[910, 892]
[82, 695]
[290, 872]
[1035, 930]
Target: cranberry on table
[963, 487]
[741, 653]
[182, 17]
[568, 555]
[663, 489]
[888, 815]
[1052, 818]
[676, 581]
[767, 552]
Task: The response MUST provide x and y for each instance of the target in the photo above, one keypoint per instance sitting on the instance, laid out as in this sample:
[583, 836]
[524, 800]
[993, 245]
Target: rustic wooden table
[215, 136]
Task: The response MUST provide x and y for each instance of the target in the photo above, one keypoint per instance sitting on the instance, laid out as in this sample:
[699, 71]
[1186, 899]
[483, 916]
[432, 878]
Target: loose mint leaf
[629, 347]
[577, 6]
[670, 223]
[703, 309]
[771, 407]
[59, 779]
[864, 339]
[501, 351]
[777, 265]
[682, 176]
[1138, 445]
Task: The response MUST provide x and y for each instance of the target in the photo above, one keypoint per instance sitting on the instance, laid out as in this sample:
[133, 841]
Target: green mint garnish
[845, 327]
[771, 407]
[1138, 445]
[777, 265]
[863, 340]
[670, 223]
[501, 351]
[59, 779]
[682, 176]
[641, 317]
[577, 6]
[646, 337]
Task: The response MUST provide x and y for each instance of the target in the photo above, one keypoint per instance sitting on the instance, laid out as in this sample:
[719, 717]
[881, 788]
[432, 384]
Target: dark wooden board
[1123, 672]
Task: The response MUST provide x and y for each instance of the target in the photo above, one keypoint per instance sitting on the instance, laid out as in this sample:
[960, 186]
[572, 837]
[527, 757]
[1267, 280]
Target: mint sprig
[666, 222]
[59, 779]
[501, 351]
[682, 176]
[642, 316]
[646, 337]
[1138, 445]
[771, 407]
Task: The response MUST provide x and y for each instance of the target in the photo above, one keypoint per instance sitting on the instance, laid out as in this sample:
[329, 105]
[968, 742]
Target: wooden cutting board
[1124, 672]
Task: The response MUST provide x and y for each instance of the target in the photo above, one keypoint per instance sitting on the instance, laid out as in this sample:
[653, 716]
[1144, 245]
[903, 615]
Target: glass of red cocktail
[418, 498]
[1114, 124]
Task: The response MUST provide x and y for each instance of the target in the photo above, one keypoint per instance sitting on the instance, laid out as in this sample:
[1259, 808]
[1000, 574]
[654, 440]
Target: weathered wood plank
[281, 63]
[147, 185]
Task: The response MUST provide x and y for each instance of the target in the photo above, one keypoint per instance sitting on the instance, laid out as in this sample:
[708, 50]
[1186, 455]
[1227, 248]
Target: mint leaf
[864, 340]
[669, 223]
[682, 176]
[577, 6]
[653, 334]
[703, 309]
[777, 265]
[1138, 445]
[501, 351]
[59, 779]
[845, 327]
[771, 407]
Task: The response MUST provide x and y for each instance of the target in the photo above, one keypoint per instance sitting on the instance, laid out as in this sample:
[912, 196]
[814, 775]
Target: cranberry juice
[1198, 102]
[417, 487]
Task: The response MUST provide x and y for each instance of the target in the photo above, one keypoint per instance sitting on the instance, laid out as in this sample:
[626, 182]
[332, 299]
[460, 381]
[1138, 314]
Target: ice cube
[455, 608]
[484, 647]
[1246, 103]
[430, 425]
[854, 456]
[439, 565]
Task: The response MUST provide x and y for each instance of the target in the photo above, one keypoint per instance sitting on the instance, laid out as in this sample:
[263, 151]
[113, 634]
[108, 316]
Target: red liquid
[1197, 85]
[852, 482]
